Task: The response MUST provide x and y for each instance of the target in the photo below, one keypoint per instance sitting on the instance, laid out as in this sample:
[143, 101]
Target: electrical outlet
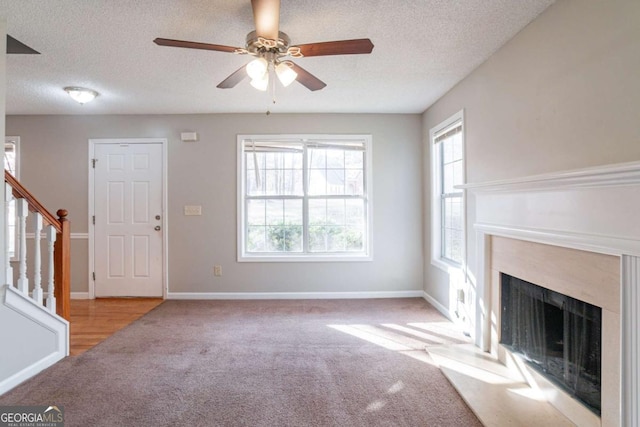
[217, 270]
[192, 210]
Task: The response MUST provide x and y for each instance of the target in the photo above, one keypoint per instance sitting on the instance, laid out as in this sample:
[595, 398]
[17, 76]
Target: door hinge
[93, 219]
[94, 276]
[93, 162]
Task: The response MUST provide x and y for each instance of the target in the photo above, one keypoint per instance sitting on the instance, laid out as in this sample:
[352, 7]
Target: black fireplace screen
[558, 335]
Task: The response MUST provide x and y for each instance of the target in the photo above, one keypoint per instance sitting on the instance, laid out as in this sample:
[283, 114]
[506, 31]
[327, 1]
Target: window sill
[445, 266]
[305, 258]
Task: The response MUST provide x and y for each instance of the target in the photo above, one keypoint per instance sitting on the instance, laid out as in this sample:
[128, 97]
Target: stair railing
[57, 235]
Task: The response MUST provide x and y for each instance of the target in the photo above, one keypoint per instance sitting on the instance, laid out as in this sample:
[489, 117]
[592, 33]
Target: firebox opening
[557, 335]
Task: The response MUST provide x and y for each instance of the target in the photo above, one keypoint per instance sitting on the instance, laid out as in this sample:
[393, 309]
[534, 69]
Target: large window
[304, 197]
[447, 207]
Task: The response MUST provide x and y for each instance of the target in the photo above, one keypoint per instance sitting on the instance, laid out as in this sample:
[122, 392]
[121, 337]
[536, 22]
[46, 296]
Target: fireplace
[556, 334]
[577, 233]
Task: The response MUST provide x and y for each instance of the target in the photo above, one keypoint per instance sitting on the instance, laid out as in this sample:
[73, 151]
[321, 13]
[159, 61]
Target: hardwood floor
[93, 321]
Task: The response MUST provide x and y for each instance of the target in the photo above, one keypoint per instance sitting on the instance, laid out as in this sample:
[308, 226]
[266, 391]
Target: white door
[128, 223]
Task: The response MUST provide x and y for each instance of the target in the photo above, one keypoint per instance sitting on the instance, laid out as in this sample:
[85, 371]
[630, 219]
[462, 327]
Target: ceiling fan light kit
[271, 47]
[285, 73]
[261, 83]
[80, 94]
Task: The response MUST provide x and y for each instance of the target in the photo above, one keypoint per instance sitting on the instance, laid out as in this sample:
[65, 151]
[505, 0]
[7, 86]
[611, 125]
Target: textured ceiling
[422, 49]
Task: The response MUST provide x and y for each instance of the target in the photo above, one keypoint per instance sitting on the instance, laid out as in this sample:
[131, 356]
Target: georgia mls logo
[31, 416]
[56, 409]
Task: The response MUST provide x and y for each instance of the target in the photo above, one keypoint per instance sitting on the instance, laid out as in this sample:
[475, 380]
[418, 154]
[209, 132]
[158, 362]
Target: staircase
[34, 317]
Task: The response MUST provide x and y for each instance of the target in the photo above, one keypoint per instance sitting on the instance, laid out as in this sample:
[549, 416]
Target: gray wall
[563, 94]
[54, 164]
[3, 74]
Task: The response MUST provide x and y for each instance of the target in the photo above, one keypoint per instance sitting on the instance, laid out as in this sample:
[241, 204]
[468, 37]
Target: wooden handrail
[34, 205]
[62, 248]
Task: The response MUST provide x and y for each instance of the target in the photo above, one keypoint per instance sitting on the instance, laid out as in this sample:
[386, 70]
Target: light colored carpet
[260, 363]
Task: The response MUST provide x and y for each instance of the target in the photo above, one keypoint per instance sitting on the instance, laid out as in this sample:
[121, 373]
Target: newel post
[62, 261]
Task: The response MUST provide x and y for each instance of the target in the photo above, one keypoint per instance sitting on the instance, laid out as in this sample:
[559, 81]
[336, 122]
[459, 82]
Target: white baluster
[37, 260]
[22, 208]
[51, 298]
[8, 193]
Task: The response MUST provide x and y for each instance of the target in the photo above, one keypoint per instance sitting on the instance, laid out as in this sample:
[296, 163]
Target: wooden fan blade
[194, 45]
[307, 79]
[266, 16]
[234, 78]
[340, 47]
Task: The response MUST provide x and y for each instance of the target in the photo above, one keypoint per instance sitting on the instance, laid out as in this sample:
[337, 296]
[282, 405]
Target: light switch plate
[192, 210]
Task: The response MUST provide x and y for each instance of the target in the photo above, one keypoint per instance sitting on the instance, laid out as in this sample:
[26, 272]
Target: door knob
[157, 228]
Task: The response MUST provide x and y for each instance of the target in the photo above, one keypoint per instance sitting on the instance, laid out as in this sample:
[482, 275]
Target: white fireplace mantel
[594, 209]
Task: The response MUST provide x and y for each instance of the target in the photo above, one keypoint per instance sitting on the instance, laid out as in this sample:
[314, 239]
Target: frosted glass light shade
[257, 68]
[262, 83]
[81, 95]
[285, 73]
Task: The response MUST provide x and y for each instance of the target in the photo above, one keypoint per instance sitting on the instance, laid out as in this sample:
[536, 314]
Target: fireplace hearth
[557, 335]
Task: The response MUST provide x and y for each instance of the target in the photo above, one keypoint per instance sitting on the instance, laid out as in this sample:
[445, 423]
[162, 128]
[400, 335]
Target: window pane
[446, 212]
[256, 239]
[353, 239]
[457, 173]
[275, 212]
[293, 212]
[254, 177]
[317, 238]
[336, 225]
[282, 238]
[452, 236]
[282, 182]
[335, 212]
[456, 246]
[457, 146]
[317, 212]
[284, 235]
[335, 159]
[274, 173]
[447, 151]
[456, 214]
[335, 181]
[354, 159]
[317, 158]
[447, 178]
[354, 210]
[354, 182]
[256, 212]
[317, 182]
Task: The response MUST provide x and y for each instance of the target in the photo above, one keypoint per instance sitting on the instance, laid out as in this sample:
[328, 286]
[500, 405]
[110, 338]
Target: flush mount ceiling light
[80, 94]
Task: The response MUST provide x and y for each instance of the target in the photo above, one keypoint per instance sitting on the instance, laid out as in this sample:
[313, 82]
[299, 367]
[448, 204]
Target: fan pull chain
[272, 80]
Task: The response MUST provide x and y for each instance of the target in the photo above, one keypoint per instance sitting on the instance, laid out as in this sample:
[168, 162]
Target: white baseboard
[80, 295]
[30, 371]
[441, 308]
[291, 295]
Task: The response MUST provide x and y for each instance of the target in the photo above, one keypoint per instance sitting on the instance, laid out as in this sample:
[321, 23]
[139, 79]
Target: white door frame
[165, 263]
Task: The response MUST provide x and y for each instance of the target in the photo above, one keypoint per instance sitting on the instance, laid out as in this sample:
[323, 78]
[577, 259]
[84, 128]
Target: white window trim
[340, 257]
[437, 259]
[15, 140]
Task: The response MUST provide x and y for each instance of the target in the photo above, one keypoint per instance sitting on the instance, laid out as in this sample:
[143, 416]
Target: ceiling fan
[272, 47]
